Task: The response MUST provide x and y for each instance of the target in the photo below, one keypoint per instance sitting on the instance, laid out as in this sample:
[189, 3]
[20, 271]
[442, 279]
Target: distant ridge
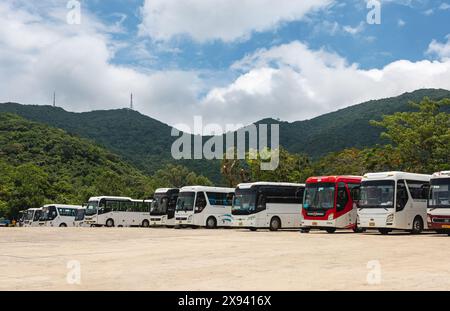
[146, 142]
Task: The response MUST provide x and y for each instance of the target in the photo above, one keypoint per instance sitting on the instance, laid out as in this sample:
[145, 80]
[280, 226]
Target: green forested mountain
[146, 142]
[40, 164]
[349, 127]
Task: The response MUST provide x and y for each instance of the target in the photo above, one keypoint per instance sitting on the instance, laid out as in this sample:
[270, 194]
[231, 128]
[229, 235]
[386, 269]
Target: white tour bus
[162, 212]
[117, 212]
[394, 201]
[264, 205]
[199, 206]
[58, 215]
[439, 203]
[31, 217]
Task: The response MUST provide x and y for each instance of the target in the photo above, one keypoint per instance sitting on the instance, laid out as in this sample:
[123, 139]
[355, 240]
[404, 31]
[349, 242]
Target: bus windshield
[45, 214]
[185, 201]
[440, 193]
[91, 209]
[28, 215]
[377, 194]
[159, 205]
[244, 202]
[319, 196]
[80, 214]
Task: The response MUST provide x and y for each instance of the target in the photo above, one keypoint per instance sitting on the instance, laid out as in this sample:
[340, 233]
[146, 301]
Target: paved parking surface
[169, 259]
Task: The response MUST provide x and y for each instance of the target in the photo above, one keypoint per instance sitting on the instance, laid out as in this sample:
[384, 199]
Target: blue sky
[229, 61]
[405, 32]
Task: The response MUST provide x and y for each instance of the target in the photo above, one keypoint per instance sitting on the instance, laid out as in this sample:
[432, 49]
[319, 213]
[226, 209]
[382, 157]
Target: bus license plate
[314, 223]
[371, 224]
[446, 226]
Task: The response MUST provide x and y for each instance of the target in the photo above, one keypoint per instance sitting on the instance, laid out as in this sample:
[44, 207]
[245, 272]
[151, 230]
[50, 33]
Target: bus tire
[253, 229]
[110, 223]
[145, 223]
[384, 231]
[417, 226]
[306, 230]
[330, 230]
[275, 224]
[357, 229]
[211, 223]
[63, 225]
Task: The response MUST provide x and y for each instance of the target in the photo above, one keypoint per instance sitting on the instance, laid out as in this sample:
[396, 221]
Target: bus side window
[261, 203]
[402, 196]
[342, 197]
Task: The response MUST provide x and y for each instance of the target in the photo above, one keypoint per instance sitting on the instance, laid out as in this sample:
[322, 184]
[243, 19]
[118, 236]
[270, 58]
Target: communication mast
[131, 102]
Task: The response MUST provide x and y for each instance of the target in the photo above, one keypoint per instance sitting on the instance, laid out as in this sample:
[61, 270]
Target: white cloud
[293, 82]
[401, 23]
[354, 30]
[39, 55]
[226, 20]
[444, 6]
[442, 50]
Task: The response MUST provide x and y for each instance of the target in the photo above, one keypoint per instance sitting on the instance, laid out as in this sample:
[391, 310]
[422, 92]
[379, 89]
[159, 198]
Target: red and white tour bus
[330, 203]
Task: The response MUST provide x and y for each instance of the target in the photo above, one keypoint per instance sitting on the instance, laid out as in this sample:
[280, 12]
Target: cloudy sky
[230, 61]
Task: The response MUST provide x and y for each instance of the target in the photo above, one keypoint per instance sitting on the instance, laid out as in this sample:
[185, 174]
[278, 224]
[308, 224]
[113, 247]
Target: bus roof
[394, 175]
[204, 188]
[443, 174]
[164, 190]
[33, 209]
[109, 198]
[264, 183]
[64, 206]
[334, 179]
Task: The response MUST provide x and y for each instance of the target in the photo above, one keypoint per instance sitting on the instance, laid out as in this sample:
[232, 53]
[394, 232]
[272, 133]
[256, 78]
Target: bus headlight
[390, 219]
[429, 220]
[331, 216]
[190, 218]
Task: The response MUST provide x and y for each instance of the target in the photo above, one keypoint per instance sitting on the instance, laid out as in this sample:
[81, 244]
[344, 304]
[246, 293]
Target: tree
[30, 188]
[233, 171]
[421, 138]
[293, 168]
[178, 176]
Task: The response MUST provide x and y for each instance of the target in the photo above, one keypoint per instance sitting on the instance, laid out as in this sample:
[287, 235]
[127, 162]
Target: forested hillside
[40, 164]
[146, 142]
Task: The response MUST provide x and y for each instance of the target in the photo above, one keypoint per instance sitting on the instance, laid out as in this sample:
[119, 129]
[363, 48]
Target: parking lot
[169, 259]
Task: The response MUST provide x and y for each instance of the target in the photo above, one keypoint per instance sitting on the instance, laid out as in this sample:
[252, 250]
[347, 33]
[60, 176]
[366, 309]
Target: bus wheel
[358, 230]
[62, 225]
[384, 231]
[275, 224]
[417, 226]
[253, 229]
[110, 223]
[145, 224]
[331, 230]
[211, 223]
[306, 230]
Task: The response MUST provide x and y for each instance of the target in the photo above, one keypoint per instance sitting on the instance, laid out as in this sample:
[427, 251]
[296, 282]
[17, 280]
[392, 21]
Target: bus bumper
[318, 224]
[243, 222]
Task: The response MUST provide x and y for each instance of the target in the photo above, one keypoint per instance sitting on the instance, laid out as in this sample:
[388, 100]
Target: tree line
[40, 164]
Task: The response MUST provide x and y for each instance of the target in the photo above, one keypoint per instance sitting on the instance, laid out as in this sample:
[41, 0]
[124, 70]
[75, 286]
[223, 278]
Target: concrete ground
[169, 259]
